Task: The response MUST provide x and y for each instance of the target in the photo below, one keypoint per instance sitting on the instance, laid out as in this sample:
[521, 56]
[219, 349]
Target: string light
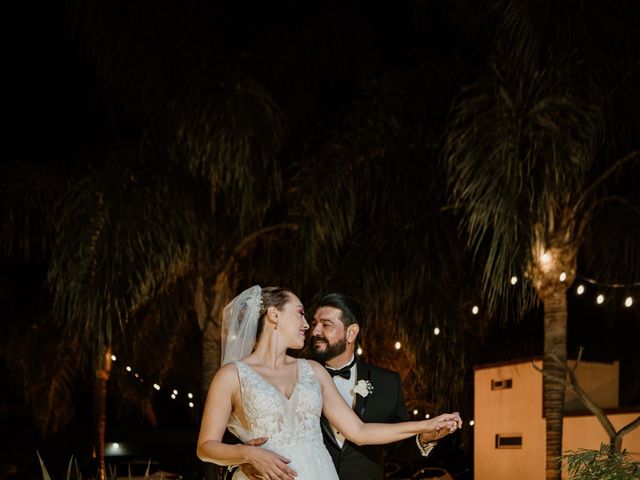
[580, 289]
[157, 387]
[415, 412]
[600, 299]
[113, 358]
[628, 302]
[427, 416]
[563, 277]
[475, 310]
[359, 351]
[436, 331]
[398, 345]
[514, 280]
[472, 423]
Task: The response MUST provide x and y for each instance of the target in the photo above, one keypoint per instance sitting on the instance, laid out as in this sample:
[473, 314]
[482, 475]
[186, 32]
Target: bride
[262, 393]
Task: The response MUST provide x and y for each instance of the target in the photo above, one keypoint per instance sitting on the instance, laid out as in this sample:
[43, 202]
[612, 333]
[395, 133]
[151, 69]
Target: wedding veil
[240, 324]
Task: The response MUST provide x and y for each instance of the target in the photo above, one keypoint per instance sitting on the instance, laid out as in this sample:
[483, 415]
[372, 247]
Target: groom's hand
[441, 426]
[269, 465]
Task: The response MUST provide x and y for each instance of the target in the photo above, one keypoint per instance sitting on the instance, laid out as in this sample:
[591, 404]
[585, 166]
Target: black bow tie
[344, 372]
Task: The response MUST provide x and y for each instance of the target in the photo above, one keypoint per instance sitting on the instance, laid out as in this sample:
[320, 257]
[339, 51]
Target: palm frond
[518, 154]
[125, 235]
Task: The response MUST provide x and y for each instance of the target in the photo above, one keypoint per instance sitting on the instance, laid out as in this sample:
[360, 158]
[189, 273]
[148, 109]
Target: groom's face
[328, 335]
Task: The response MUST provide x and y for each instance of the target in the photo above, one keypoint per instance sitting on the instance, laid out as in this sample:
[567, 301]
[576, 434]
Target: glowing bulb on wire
[580, 289]
[359, 351]
[436, 331]
[600, 299]
[156, 386]
[514, 280]
[113, 358]
[398, 345]
[563, 276]
[475, 310]
[628, 302]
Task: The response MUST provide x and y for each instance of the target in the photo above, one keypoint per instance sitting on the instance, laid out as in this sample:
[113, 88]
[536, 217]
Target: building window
[501, 384]
[508, 440]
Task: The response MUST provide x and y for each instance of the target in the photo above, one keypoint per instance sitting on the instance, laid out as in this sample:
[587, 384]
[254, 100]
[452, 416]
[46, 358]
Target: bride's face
[292, 325]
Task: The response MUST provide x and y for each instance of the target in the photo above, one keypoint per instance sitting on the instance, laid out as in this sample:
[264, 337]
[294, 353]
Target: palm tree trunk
[555, 342]
[100, 411]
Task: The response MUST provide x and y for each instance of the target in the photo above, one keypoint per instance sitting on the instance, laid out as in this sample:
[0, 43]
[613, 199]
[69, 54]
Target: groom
[336, 324]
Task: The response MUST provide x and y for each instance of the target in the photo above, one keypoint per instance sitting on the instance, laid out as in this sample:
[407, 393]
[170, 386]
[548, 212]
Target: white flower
[363, 388]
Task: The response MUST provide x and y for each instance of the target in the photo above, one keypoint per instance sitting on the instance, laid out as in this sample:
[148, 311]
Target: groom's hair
[351, 310]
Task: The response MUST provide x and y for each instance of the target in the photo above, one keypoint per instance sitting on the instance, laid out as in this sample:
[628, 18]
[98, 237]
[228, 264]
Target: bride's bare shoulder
[317, 368]
[226, 374]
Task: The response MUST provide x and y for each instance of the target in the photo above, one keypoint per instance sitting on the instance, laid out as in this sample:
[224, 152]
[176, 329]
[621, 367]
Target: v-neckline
[295, 386]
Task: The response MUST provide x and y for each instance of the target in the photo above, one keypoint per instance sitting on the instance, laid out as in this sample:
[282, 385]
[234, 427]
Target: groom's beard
[330, 352]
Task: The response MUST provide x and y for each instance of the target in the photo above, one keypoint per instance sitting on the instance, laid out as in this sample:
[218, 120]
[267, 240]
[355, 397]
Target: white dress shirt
[345, 387]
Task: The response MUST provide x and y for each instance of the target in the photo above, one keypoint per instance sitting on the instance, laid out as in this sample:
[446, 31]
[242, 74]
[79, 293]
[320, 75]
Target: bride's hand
[267, 465]
[441, 426]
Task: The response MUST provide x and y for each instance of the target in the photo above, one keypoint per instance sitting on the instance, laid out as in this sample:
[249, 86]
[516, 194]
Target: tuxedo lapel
[326, 428]
[363, 374]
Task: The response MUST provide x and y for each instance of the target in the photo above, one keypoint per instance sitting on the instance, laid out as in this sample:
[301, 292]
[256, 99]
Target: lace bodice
[292, 425]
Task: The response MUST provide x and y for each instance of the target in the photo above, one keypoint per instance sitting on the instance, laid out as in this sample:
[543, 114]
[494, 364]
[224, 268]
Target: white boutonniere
[363, 388]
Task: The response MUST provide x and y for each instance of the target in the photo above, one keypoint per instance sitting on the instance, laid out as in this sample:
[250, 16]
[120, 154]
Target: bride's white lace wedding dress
[292, 424]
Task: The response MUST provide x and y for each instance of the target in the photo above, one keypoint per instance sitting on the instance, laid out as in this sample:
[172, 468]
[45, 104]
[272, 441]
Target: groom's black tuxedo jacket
[384, 405]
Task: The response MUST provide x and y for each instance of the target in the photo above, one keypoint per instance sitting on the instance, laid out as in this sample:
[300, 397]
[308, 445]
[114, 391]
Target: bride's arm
[341, 416]
[216, 414]
[217, 410]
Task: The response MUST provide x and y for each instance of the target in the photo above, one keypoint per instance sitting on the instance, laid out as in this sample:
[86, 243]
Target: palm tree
[531, 150]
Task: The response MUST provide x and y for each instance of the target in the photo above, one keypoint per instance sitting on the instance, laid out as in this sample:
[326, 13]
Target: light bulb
[427, 416]
[628, 302]
[563, 276]
[472, 423]
[398, 345]
[173, 396]
[475, 310]
[580, 289]
[190, 395]
[514, 280]
[436, 331]
[359, 351]
[156, 386]
[113, 358]
[599, 299]
[415, 412]
[115, 446]
[128, 368]
[190, 404]
[175, 392]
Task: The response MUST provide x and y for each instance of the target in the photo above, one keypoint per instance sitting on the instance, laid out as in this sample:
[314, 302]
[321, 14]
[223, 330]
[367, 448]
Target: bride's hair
[271, 297]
